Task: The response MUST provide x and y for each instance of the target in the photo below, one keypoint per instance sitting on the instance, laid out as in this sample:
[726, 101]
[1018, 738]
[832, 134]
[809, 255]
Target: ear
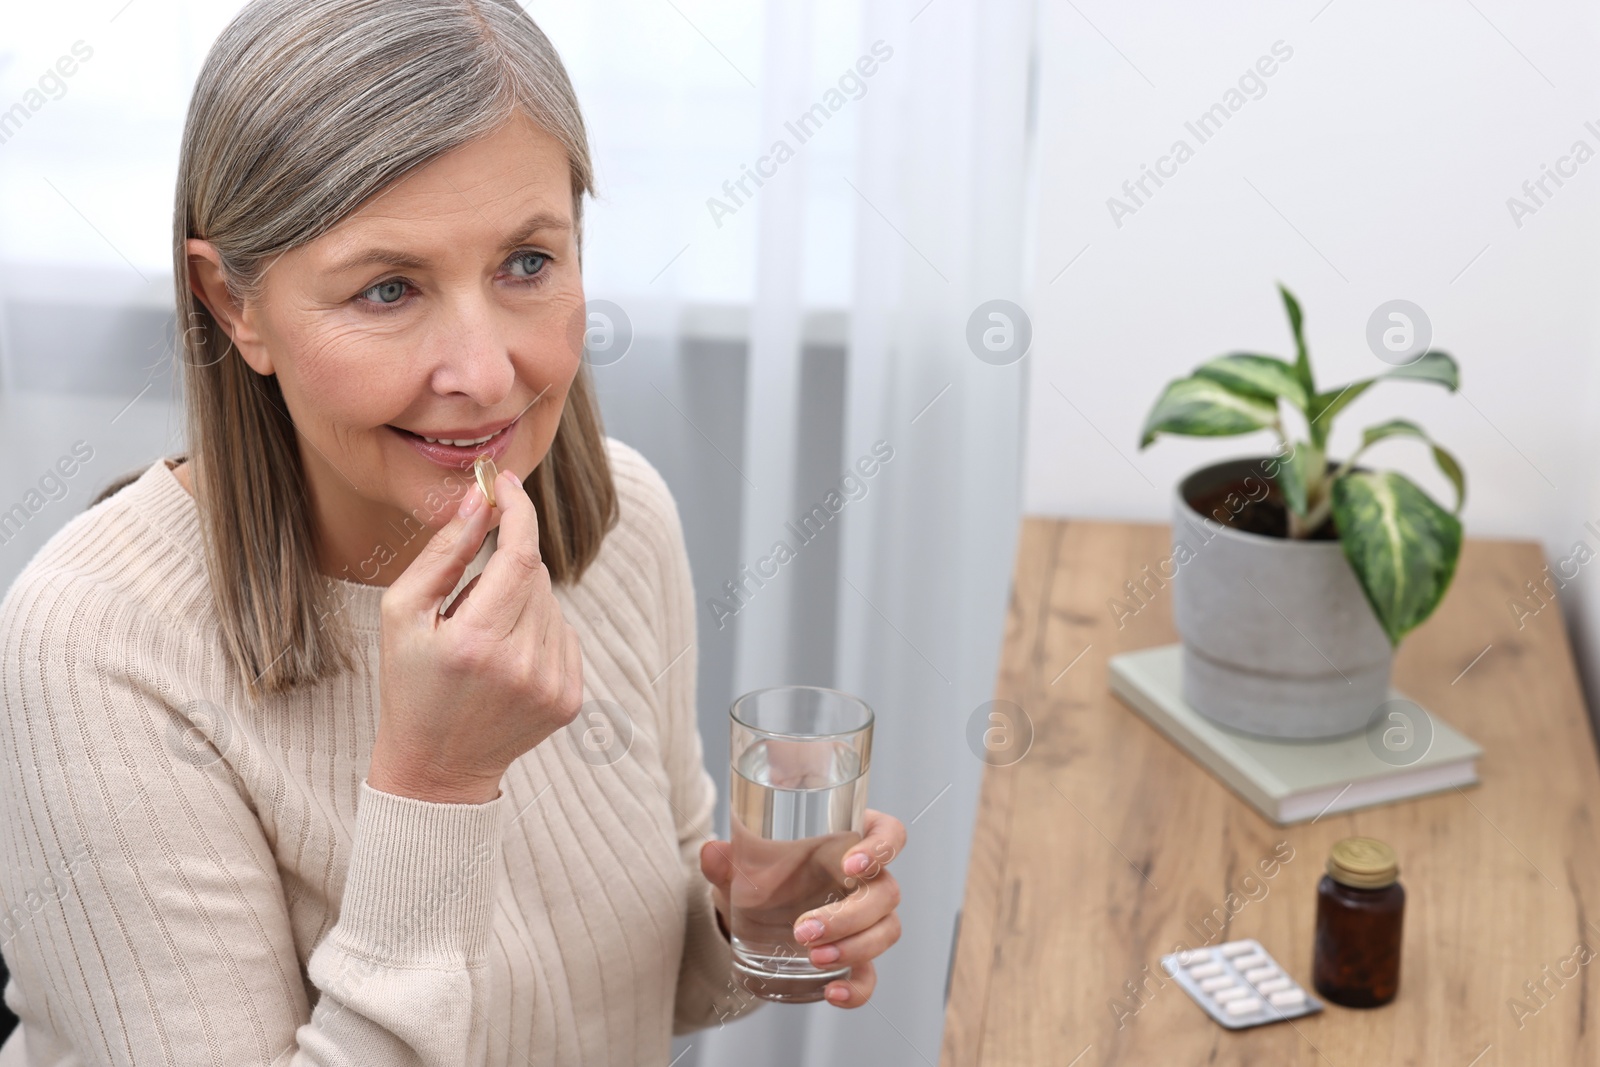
[206, 280]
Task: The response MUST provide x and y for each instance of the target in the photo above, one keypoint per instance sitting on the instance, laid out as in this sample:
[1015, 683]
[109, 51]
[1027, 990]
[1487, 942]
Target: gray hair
[303, 111]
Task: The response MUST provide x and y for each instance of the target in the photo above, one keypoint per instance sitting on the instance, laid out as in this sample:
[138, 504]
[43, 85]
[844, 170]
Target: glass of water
[800, 756]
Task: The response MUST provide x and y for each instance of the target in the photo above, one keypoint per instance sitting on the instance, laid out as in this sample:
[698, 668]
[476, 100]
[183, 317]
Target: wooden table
[1094, 853]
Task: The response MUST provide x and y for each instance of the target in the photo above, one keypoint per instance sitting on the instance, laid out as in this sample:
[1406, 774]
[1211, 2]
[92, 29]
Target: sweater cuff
[420, 887]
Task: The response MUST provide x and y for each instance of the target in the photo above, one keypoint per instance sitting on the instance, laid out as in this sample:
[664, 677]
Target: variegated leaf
[1200, 407]
[1402, 546]
[1267, 377]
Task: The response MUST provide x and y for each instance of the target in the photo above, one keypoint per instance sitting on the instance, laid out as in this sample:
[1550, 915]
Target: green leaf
[1324, 406]
[1302, 361]
[1266, 377]
[1200, 407]
[1431, 366]
[1452, 470]
[1393, 428]
[1445, 461]
[1402, 546]
[1295, 474]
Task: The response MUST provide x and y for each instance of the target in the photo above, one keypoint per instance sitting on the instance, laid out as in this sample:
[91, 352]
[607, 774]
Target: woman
[264, 801]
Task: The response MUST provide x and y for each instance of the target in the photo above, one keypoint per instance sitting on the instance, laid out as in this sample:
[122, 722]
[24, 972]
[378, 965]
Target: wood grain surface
[1105, 847]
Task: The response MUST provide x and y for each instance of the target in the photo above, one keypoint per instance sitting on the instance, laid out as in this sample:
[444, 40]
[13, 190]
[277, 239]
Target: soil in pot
[1268, 516]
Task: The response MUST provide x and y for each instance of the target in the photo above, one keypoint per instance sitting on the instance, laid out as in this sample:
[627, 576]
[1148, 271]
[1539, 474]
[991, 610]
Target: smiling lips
[459, 448]
[459, 442]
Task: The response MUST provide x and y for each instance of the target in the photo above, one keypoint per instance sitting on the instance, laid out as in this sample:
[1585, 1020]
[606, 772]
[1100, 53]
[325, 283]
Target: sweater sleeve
[145, 921]
[706, 993]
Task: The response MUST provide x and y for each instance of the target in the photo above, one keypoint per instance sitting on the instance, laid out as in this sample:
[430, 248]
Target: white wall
[1376, 164]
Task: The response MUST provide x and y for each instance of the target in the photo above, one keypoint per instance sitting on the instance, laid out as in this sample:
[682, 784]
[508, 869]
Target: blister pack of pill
[1239, 985]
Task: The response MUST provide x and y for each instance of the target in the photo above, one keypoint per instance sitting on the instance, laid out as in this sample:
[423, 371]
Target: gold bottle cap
[483, 469]
[1363, 863]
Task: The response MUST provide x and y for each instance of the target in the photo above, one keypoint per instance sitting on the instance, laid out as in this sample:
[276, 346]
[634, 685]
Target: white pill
[1245, 1007]
[1221, 981]
[1237, 948]
[1273, 985]
[1233, 993]
[1193, 956]
[1205, 970]
[1257, 974]
[1246, 963]
[1288, 998]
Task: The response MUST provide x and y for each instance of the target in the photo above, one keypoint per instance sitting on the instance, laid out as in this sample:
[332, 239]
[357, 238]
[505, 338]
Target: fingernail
[857, 863]
[473, 501]
[809, 930]
[838, 994]
[825, 954]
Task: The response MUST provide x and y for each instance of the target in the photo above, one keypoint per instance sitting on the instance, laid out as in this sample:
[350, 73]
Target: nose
[474, 359]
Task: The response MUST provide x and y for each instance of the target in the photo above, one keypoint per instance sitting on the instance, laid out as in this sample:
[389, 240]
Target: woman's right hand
[463, 696]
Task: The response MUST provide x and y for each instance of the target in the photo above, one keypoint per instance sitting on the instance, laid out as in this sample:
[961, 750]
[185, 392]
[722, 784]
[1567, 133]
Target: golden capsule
[484, 470]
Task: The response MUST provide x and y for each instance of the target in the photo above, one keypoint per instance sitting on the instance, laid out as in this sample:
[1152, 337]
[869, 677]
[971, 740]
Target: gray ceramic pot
[1278, 638]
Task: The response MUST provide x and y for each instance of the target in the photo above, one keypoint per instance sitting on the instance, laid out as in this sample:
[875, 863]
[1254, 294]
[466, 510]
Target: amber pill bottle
[1360, 905]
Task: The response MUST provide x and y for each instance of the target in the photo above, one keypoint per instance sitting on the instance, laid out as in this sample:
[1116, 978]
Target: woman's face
[447, 307]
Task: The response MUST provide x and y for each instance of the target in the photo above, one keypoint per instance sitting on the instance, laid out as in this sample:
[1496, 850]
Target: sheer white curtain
[936, 188]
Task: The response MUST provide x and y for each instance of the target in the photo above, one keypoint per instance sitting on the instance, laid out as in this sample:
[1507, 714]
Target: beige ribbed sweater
[183, 885]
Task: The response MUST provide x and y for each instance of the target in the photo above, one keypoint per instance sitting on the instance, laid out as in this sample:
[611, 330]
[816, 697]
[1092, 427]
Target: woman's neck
[181, 472]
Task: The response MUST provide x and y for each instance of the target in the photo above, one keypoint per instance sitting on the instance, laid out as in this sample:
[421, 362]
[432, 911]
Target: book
[1290, 781]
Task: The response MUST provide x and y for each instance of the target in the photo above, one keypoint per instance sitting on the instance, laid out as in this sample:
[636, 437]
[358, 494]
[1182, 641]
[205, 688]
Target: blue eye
[391, 293]
[535, 268]
[394, 286]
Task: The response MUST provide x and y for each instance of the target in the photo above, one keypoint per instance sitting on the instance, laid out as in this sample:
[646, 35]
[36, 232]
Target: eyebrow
[369, 257]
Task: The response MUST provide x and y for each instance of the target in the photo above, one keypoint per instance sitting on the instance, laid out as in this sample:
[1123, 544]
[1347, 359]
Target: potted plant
[1298, 575]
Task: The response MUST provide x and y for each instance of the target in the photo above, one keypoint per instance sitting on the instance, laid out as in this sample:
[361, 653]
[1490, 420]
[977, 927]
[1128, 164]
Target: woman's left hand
[851, 931]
